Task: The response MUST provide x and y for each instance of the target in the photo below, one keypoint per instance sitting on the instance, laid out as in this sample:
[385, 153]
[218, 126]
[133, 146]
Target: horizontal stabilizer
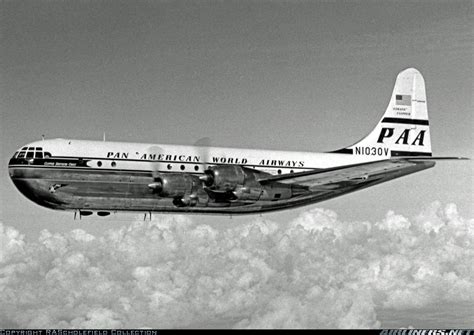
[435, 158]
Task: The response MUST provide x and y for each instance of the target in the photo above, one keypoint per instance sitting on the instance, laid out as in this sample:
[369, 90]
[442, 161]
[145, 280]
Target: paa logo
[403, 138]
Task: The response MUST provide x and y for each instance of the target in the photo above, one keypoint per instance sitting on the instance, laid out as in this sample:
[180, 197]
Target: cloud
[313, 271]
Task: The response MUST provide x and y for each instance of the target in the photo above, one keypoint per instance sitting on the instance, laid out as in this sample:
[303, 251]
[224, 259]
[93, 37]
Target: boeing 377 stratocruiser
[88, 176]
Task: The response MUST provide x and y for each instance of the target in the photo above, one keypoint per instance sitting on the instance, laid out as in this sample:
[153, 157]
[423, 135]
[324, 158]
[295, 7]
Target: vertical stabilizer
[404, 129]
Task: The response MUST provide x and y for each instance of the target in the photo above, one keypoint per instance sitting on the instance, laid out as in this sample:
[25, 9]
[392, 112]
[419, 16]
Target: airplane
[104, 177]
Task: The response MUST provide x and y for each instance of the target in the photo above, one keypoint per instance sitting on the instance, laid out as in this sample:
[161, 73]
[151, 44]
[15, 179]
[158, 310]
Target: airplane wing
[350, 175]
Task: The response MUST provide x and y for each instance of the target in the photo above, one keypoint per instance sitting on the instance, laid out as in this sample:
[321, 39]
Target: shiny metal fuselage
[76, 182]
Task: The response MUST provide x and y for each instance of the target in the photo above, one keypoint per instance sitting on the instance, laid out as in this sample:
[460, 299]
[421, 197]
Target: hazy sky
[290, 75]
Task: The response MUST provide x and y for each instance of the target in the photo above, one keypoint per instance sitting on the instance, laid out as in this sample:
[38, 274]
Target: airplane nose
[32, 186]
[34, 190]
[25, 187]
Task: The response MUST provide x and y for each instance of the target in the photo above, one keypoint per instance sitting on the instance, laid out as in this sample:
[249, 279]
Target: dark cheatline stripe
[343, 151]
[405, 121]
[409, 153]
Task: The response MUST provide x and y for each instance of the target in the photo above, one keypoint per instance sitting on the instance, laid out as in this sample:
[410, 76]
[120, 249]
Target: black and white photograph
[236, 164]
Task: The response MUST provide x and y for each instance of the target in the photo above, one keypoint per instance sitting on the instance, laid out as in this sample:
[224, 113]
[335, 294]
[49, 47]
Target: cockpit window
[31, 152]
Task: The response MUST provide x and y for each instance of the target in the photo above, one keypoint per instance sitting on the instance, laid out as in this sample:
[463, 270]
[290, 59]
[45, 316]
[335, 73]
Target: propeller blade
[154, 151]
[204, 144]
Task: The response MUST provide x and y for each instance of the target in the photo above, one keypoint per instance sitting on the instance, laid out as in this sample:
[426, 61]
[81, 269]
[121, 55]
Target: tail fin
[404, 129]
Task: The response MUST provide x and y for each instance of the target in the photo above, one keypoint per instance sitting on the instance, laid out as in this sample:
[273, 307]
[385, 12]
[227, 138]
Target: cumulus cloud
[313, 271]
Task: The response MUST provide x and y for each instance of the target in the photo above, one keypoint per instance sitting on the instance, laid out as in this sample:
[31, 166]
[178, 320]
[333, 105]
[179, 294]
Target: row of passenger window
[169, 167]
[182, 167]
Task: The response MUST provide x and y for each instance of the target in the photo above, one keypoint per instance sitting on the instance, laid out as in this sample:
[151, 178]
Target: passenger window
[30, 154]
[39, 148]
[21, 154]
[39, 154]
[47, 155]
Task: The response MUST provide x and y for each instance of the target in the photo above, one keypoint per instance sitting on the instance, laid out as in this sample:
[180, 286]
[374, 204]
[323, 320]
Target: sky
[287, 75]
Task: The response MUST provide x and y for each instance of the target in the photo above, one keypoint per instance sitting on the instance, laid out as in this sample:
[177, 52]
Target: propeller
[156, 185]
[203, 145]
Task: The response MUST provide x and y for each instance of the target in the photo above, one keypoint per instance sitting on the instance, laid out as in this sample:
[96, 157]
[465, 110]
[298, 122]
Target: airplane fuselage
[117, 176]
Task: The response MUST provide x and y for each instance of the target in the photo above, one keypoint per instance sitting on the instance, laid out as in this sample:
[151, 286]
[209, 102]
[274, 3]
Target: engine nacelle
[185, 201]
[174, 185]
[226, 177]
[276, 192]
[233, 182]
[248, 193]
[267, 193]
